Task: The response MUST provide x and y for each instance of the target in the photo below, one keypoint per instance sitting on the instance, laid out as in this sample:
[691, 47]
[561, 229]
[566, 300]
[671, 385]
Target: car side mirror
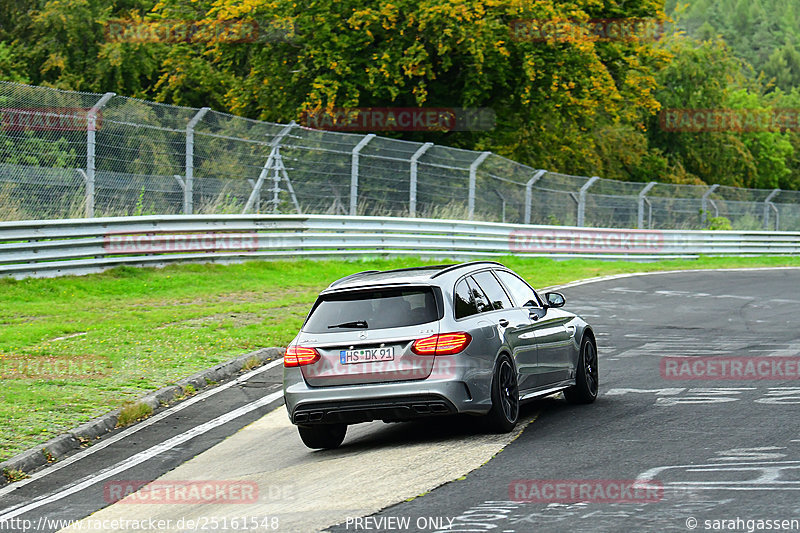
[555, 299]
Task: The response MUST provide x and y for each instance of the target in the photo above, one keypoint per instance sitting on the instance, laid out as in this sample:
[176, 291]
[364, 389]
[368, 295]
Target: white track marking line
[139, 458]
[133, 429]
[654, 273]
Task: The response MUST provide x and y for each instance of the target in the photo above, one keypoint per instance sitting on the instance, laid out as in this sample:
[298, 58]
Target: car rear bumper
[355, 411]
[403, 400]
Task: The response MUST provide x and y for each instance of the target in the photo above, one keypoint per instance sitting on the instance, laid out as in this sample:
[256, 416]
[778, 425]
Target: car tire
[504, 414]
[586, 376]
[323, 436]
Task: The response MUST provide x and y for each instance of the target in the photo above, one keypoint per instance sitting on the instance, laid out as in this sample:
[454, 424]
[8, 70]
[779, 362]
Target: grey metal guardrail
[46, 248]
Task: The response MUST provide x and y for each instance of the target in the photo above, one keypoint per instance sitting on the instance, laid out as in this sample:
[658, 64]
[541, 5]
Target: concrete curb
[46, 453]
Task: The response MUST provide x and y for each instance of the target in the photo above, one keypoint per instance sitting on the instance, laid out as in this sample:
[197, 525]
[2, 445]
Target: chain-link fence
[68, 154]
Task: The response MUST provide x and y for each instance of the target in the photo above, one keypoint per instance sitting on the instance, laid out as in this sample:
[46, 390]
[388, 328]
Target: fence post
[704, 203]
[529, 194]
[354, 173]
[473, 178]
[767, 204]
[642, 196]
[91, 127]
[777, 216]
[188, 188]
[412, 184]
[582, 200]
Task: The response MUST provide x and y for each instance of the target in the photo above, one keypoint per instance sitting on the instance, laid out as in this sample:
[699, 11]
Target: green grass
[153, 327]
[133, 412]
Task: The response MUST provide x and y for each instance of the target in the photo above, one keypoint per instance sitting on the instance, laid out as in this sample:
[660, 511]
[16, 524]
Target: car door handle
[571, 331]
[534, 315]
[503, 322]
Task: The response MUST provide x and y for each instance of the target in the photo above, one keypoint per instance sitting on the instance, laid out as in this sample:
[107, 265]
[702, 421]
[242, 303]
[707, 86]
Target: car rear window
[373, 309]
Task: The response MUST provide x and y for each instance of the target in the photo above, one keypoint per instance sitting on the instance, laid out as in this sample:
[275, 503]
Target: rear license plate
[367, 355]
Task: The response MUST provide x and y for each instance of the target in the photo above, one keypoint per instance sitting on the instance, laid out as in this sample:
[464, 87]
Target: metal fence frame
[367, 174]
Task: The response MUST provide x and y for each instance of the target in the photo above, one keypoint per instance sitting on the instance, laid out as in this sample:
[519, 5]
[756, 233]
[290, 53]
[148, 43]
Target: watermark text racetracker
[49, 367]
[585, 241]
[195, 523]
[584, 490]
[567, 30]
[193, 31]
[440, 119]
[410, 366]
[180, 242]
[729, 120]
[181, 492]
[730, 368]
[50, 119]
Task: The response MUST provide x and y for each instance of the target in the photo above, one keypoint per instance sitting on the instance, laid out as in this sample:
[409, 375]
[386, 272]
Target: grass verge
[73, 348]
[133, 412]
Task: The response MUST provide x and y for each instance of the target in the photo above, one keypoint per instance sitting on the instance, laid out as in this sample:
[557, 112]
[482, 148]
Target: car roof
[402, 276]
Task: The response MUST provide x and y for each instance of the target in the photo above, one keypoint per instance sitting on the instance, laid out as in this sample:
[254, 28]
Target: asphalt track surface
[709, 454]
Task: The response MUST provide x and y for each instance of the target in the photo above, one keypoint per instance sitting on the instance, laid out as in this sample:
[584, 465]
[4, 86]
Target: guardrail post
[473, 179]
[704, 202]
[529, 194]
[354, 173]
[642, 199]
[582, 200]
[412, 184]
[188, 182]
[91, 128]
[767, 204]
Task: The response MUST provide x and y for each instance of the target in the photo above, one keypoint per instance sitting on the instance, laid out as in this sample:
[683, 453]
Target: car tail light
[442, 344]
[299, 356]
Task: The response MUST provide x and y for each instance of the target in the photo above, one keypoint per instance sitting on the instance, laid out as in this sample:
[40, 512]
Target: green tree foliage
[29, 149]
[764, 33]
[11, 68]
[65, 44]
[706, 76]
[783, 66]
[555, 99]
[571, 103]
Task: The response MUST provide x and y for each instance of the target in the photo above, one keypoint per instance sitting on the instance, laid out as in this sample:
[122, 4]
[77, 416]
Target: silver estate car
[472, 338]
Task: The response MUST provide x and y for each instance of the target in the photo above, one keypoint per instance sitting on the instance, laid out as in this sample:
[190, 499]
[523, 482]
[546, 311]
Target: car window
[464, 302]
[481, 301]
[520, 291]
[373, 309]
[493, 290]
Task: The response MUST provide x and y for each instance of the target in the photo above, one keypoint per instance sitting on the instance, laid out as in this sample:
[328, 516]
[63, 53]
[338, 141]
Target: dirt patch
[21, 319]
[238, 319]
[233, 297]
[82, 333]
[244, 319]
[263, 296]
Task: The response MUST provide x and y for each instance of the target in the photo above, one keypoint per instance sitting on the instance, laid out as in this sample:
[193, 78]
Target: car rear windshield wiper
[354, 324]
